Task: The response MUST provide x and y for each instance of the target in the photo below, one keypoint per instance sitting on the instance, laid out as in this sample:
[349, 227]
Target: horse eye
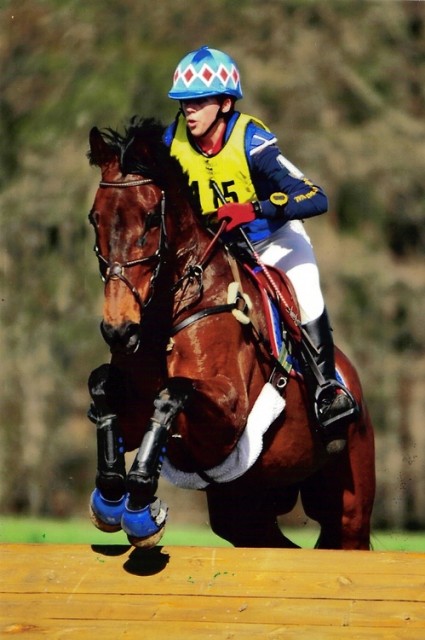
[141, 241]
[153, 219]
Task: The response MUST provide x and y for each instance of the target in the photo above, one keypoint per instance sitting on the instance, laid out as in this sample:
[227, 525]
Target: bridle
[116, 270]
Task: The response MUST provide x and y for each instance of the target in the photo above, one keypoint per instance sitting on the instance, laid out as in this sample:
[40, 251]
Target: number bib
[228, 168]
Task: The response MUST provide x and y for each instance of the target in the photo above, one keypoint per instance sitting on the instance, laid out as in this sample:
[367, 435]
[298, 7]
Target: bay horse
[190, 383]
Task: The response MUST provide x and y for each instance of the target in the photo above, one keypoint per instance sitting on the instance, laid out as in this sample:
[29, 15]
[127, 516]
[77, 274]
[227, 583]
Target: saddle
[279, 299]
[279, 304]
[290, 345]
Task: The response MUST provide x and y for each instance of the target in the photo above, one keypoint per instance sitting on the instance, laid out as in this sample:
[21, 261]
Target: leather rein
[114, 270]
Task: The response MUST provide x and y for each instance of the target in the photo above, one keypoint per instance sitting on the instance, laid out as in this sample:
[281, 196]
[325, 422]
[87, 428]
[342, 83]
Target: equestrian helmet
[203, 73]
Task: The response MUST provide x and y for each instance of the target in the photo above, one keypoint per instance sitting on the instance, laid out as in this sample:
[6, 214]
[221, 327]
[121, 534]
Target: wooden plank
[270, 560]
[75, 591]
[224, 572]
[83, 630]
[237, 609]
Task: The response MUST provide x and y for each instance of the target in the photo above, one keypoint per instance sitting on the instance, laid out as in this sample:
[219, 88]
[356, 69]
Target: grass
[80, 531]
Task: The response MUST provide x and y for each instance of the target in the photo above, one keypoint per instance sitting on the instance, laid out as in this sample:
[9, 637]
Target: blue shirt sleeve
[271, 172]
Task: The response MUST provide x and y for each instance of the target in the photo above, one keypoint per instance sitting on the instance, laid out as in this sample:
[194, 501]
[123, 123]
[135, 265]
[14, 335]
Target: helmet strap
[220, 115]
[217, 118]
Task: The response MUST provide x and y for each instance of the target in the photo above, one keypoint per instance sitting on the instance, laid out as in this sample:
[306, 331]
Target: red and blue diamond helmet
[203, 73]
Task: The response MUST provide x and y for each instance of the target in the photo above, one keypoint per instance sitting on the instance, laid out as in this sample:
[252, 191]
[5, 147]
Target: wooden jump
[187, 593]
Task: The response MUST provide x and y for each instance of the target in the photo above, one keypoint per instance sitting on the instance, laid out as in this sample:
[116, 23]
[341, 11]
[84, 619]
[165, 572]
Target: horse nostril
[132, 336]
[123, 337]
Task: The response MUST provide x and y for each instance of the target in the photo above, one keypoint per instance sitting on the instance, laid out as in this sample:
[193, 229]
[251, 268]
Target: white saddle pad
[268, 406]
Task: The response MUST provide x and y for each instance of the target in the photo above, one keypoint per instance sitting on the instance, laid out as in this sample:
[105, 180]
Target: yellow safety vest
[228, 168]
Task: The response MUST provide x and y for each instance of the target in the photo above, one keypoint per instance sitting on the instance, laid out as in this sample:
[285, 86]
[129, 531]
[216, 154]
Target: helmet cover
[203, 73]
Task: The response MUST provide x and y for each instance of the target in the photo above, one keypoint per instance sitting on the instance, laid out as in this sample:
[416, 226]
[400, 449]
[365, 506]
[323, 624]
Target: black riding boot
[335, 406]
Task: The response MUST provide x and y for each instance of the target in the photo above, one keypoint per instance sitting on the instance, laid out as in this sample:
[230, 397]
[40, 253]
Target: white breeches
[290, 249]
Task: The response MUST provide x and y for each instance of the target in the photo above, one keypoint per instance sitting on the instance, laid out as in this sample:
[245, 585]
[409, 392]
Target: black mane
[141, 151]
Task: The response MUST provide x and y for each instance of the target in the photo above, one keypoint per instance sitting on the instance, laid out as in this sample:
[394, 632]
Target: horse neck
[189, 238]
[199, 268]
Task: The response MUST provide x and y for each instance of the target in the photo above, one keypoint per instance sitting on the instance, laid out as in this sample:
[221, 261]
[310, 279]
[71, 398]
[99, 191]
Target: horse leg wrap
[145, 515]
[111, 472]
[108, 499]
[110, 476]
[142, 480]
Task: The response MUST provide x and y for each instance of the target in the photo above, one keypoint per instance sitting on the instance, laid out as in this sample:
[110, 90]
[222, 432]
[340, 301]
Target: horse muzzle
[122, 338]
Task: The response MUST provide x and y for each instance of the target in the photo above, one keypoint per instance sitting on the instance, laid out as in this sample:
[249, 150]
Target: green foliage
[358, 208]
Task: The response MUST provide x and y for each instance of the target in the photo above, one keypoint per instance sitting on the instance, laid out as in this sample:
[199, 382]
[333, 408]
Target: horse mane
[142, 151]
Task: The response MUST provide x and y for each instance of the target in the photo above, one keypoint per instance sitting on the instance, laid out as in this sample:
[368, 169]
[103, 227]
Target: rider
[266, 195]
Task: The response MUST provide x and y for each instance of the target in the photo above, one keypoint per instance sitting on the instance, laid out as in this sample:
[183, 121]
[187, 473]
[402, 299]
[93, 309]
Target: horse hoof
[147, 543]
[145, 527]
[106, 514]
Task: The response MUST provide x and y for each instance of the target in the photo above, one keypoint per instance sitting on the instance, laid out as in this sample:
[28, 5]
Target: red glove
[237, 213]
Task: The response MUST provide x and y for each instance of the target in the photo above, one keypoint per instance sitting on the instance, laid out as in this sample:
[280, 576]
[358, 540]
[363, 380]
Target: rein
[196, 271]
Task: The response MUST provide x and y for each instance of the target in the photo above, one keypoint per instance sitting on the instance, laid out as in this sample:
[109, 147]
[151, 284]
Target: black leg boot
[335, 406]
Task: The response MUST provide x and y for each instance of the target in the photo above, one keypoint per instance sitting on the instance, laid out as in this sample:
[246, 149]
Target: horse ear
[100, 152]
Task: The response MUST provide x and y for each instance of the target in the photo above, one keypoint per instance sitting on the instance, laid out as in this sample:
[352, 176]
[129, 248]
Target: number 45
[230, 196]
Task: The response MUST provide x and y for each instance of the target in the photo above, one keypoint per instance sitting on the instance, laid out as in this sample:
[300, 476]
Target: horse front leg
[144, 516]
[108, 499]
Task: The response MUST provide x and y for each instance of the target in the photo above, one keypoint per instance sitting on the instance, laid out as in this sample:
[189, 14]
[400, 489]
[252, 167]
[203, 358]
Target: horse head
[128, 218]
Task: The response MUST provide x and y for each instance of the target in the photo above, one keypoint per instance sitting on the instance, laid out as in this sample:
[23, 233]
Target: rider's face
[200, 114]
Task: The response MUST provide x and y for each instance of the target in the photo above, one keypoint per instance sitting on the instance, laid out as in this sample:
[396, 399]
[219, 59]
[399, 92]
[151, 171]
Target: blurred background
[341, 83]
